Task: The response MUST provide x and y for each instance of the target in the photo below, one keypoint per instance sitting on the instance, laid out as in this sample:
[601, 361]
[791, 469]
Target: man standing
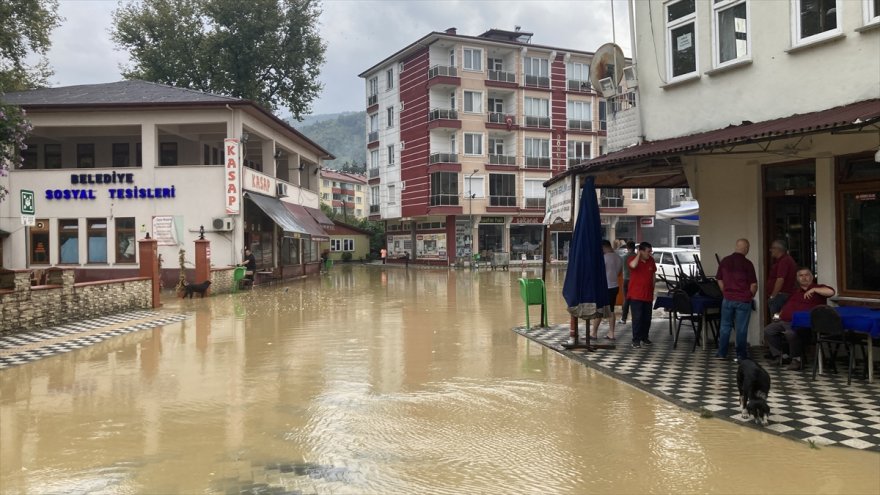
[641, 293]
[738, 283]
[805, 297]
[613, 266]
[630, 252]
[781, 281]
[383, 253]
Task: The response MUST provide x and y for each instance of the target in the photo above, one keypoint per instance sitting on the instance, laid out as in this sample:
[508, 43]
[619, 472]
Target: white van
[671, 260]
[687, 241]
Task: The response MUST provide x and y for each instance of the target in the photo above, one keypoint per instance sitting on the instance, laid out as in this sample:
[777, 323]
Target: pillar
[148, 254]
[203, 262]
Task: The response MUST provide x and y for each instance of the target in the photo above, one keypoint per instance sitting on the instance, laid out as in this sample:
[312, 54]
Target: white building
[770, 112]
[111, 163]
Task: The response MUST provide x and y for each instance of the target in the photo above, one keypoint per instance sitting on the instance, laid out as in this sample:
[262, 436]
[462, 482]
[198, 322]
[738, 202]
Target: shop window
[126, 245]
[121, 154]
[39, 242]
[68, 240]
[52, 155]
[858, 209]
[29, 158]
[85, 155]
[167, 154]
[290, 251]
[97, 239]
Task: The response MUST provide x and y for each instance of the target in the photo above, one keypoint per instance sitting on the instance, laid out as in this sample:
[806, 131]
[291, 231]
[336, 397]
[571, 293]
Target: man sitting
[250, 265]
[806, 296]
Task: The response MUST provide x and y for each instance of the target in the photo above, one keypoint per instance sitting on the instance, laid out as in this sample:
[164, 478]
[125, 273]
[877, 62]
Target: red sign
[646, 221]
[233, 172]
[527, 220]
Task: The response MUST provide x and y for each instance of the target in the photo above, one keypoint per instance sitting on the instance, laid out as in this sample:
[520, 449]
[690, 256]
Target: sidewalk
[824, 412]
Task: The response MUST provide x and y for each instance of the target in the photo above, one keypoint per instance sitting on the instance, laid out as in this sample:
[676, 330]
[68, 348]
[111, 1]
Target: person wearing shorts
[613, 267]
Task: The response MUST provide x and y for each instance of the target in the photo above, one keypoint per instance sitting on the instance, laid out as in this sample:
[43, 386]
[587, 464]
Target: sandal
[594, 337]
[610, 338]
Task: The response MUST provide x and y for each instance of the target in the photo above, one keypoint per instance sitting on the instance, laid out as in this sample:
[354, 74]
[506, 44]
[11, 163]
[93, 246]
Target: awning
[278, 213]
[320, 217]
[310, 224]
[688, 213]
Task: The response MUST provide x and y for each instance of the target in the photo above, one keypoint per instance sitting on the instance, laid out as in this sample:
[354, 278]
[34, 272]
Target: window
[29, 158]
[473, 59]
[681, 34]
[126, 245]
[85, 155]
[495, 64]
[639, 194]
[326, 183]
[502, 190]
[534, 193]
[39, 245]
[731, 30]
[496, 105]
[167, 154]
[872, 11]
[537, 152]
[392, 196]
[453, 147]
[68, 240]
[390, 155]
[473, 144]
[138, 156]
[815, 20]
[374, 159]
[858, 214]
[474, 186]
[496, 146]
[373, 86]
[452, 100]
[374, 122]
[580, 115]
[603, 124]
[537, 107]
[444, 188]
[121, 152]
[374, 195]
[575, 71]
[96, 234]
[536, 67]
[473, 102]
[390, 116]
[389, 79]
[578, 151]
[611, 197]
[345, 244]
[52, 155]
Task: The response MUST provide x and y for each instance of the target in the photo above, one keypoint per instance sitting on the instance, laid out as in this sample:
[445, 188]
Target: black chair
[829, 331]
[684, 312]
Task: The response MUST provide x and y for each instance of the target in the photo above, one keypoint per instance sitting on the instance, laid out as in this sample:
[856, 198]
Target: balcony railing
[374, 172]
[442, 70]
[500, 75]
[580, 125]
[372, 100]
[537, 81]
[502, 159]
[444, 200]
[537, 162]
[536, 202]
[443, 158]
[576, 161]
[373, 136]
[502, 118]
[542, 122]
[442, 113]
[578, 85]
[502, 200]
[374, 209]
[611, 197]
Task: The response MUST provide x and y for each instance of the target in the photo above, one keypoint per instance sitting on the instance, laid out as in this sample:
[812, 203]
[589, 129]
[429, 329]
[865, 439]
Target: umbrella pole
[544, 251]
[573, 337]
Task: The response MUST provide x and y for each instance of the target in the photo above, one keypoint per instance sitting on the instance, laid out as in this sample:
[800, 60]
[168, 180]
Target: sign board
[28, 220]
[646, 222]
[232, 196]
[28, 204]
[165, 231]
[559, 202]
[257, 182]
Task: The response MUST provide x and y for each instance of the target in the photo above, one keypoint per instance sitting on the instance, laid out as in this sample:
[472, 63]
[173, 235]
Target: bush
[346, 256]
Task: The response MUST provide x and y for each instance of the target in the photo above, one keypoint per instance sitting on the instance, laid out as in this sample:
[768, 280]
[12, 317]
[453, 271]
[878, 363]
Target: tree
[24, 30]
[14, 128]
[268, 51]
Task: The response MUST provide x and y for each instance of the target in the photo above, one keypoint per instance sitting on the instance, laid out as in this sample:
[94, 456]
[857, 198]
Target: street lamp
[471, 195]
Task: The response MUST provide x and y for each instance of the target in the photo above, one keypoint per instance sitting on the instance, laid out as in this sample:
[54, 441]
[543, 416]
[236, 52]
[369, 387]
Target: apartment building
[462, 131]
[345, 193]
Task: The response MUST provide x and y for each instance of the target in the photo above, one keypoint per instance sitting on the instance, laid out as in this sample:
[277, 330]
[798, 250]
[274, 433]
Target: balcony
[611, 197]
[578, 85]
[539, 122]
[502, 118]
[373, 136]
[502, 159]
[442, 158]
[442, 113]
[374, 209]
[442, 70]
[444, 200]
[537, 81]
[576, 161]
[372, 100]
[580, 125]
[501, 76]
[537, 162]
[374, 172]
[535, 202]
[502, 200]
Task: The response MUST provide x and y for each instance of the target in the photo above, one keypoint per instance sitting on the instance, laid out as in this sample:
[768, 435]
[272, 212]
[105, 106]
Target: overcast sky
[358, 34]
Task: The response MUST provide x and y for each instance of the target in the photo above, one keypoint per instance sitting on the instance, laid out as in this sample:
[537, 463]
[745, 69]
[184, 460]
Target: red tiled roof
[343, 176]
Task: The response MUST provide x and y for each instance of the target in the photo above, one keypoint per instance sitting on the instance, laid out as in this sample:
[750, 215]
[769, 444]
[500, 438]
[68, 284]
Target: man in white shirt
[613, 267]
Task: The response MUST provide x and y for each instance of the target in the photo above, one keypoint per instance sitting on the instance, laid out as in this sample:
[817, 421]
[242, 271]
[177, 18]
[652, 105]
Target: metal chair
[829, 330]
[684, 312]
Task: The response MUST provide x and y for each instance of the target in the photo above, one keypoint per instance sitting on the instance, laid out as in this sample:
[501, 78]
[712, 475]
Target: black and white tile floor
[826, 411]
[56, 340]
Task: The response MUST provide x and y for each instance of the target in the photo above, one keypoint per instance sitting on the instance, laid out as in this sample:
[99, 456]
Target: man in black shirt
[249, 263]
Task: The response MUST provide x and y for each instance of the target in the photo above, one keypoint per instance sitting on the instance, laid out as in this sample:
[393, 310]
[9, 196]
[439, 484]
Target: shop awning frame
[275, 209]
[307, 221]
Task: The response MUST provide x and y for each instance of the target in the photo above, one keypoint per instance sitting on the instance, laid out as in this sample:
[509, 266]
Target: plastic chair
[237, 276]
[828, 326]
[533, 292]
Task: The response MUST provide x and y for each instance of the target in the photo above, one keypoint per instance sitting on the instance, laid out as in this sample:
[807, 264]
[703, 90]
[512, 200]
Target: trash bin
[328, 264]
[533, 292]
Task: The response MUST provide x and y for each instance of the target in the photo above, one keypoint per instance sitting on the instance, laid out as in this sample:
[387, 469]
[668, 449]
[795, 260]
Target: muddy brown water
[374, 380]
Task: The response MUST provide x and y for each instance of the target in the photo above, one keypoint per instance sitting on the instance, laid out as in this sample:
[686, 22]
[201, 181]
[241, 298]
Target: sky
[358, 34]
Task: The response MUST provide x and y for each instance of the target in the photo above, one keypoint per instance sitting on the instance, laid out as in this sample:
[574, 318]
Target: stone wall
[221, 280]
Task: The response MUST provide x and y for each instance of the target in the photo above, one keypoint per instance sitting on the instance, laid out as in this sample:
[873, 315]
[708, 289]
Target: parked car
[687, 241]
[671, 260]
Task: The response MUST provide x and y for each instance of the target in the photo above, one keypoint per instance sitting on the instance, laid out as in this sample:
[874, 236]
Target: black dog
[753, 383]
[201, 288]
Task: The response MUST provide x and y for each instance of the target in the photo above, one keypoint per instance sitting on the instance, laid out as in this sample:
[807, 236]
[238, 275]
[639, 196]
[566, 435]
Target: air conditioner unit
[281, 190]
[222, 223]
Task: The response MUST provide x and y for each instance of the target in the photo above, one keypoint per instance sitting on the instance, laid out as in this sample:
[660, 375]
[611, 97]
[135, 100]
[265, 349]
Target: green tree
[14, 128]
[268, 51]
[24, 30]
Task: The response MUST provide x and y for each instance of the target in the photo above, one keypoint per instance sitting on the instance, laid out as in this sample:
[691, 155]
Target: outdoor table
[855, 319]
[701, 304]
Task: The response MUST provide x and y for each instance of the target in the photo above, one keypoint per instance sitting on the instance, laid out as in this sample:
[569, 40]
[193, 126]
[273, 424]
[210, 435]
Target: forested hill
[342, 134]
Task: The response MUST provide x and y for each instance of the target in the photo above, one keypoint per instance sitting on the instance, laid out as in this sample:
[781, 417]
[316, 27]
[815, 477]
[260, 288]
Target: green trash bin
[533, 292]
[328, 264]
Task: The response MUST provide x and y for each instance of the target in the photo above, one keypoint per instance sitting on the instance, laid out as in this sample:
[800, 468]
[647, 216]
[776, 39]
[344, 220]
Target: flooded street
[373, 380]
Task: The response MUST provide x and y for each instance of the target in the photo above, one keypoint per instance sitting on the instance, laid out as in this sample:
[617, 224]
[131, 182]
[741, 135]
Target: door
[793, 219]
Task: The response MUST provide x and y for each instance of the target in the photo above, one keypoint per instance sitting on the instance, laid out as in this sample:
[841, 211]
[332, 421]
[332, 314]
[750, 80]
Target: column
[203, 262]
[149, 265]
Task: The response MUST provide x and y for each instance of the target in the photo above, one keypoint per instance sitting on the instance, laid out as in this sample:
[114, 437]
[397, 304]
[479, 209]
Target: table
[856, 319]
[701, 304]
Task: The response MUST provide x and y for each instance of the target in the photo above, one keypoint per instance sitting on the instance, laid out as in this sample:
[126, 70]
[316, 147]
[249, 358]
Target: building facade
[345, 193]
[461, 133]
[112, 163]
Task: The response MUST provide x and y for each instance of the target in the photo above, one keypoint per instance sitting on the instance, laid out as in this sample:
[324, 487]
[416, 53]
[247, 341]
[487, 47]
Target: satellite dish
[607, 63]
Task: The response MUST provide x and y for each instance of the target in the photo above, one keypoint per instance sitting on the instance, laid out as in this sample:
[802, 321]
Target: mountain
[343, 134]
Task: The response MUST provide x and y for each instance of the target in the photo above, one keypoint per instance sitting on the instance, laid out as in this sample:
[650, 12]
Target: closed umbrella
[586, 289]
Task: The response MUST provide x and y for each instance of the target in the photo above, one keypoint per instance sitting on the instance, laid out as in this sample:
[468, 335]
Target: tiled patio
[826, 411]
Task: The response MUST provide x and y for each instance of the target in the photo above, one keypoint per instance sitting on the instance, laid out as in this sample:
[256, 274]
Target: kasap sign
[233, 175]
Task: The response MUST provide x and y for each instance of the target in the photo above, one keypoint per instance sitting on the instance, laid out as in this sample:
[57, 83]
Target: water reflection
[367, 380]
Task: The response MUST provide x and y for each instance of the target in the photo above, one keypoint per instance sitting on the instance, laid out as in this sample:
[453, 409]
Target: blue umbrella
[586, 289]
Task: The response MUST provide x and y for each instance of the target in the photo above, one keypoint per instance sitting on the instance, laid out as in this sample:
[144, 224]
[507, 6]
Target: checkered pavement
[56, 340]
[826, 411]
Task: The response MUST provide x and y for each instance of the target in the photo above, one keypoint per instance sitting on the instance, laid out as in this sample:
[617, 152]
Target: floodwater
[374, 380]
